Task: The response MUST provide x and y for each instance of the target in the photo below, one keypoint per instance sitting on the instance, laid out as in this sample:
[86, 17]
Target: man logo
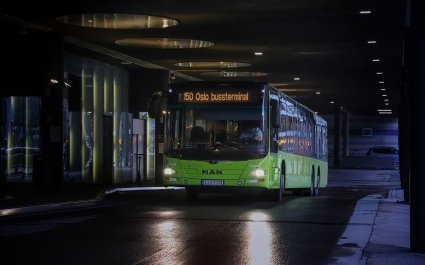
[212, 172]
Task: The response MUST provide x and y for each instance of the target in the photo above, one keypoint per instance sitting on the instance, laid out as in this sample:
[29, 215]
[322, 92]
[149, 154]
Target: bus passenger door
[274, 126]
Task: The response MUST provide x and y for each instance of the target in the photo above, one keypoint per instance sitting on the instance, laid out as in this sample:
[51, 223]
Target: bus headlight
[259, 172]
[169, 171]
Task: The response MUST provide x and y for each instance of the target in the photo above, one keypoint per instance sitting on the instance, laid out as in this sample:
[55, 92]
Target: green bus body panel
[299, 169]
[238, 173]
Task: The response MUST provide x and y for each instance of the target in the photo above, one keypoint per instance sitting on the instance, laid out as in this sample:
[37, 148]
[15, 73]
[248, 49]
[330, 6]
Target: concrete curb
[354, 241]
[53, 207]
[70, 205]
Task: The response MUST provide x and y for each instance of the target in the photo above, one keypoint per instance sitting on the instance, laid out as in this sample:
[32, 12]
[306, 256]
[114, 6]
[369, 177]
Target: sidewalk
[378, 233]
[389, 243]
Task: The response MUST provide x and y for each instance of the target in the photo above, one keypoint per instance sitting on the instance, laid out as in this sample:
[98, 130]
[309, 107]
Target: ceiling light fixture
[258, 53]
[117, 21]
[384, 95]
[165, 43]
[297, 78]
[375, 60]
[221, 64]
[279, 84]
[228, 74]
[383, 89]
[383, 110]
[317, 92]
[381, 82]
[332, 102]
[386, 99]
[371, 41]
[379, 73]
[365, 12]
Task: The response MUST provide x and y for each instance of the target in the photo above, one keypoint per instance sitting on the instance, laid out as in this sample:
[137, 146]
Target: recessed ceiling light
[212, 64]
[279, 84]
[387, 104]
[332, 102]
[365, 12]
[383, 89]
[386, 99]
[379, 73]
[165, 43]
[381, 82]
[375, 60]
[371, 41]
[297, 78]
[118, 21]
[317, 92]
[234, 74]
[258, 53]
[382, 110]
[384, 95]
[385, 113]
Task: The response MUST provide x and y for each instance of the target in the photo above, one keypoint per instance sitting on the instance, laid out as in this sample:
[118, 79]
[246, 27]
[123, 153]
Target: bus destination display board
[214, 97]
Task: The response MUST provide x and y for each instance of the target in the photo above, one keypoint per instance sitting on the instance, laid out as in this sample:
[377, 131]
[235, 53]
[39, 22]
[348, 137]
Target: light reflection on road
[168, 244]
[260, 239]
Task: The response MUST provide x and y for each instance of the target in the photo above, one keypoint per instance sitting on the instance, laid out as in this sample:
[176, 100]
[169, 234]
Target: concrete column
[337, 138]
[346, 134]
[417, 131]
[404, 145]
[404, 119]
[3, 181]
[47, 48]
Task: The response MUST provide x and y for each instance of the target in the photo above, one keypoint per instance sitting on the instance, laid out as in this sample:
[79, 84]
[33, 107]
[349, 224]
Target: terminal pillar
[51, 113]
[404, 143]
[346, 134]
[416, 42]
[337, 138]
[3, 180]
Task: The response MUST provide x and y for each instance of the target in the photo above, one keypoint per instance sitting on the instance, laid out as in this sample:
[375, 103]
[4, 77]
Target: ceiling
[322, 42]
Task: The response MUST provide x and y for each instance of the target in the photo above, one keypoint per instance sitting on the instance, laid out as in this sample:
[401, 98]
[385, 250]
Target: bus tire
[316, 192]
[276, 195]
[312, 183]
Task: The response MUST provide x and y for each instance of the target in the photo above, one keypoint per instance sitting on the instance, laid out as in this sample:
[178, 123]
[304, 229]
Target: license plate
[212, 182]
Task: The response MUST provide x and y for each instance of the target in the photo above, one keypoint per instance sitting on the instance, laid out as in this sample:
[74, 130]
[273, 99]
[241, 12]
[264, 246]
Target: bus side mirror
[275, 113]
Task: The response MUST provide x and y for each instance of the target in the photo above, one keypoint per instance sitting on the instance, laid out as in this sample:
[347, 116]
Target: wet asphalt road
[160, 227]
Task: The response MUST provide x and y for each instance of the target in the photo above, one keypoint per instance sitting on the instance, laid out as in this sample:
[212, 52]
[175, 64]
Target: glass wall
[21, 130]
[96, 105]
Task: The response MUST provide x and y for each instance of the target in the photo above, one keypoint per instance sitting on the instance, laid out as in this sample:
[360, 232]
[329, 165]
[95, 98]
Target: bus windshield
[216, 132]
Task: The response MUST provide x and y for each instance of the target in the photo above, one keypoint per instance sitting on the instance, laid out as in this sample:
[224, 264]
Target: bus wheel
[191, 194]
[312, 184]
[278, 193]
[316, 191]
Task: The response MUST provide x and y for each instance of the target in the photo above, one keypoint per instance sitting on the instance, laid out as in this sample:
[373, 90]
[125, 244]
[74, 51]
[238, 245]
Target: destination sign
[214, 97]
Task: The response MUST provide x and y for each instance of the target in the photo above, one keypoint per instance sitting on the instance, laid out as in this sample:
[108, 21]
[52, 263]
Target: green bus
[223, 135]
